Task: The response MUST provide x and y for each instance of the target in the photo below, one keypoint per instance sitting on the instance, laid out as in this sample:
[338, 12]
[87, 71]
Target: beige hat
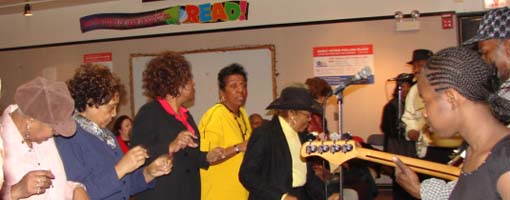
[48, 101]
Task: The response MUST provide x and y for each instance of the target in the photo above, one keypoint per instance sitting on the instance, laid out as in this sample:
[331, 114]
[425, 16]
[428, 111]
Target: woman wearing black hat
[272, 167]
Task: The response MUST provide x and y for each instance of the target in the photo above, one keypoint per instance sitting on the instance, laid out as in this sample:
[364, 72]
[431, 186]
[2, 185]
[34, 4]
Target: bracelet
[236, 149]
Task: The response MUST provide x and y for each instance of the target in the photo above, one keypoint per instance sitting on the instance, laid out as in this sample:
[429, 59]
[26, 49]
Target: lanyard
[243, 132]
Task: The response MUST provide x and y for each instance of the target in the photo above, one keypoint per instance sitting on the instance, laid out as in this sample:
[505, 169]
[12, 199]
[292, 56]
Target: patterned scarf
[104, 135]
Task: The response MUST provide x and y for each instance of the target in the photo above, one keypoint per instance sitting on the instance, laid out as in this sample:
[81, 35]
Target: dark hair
[93, 85]
[318, 87]
[464, 70]
[118, 123]
[395, 91]
[165, 74]
[401, 79]
[231, 69]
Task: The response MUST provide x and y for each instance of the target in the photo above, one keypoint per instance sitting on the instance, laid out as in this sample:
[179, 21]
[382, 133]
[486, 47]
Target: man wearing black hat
[427, 147]
[272, 168]
[412, 117]
[493, 42]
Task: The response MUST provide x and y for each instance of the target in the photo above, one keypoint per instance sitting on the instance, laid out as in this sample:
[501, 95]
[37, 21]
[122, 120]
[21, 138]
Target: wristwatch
[236, 148]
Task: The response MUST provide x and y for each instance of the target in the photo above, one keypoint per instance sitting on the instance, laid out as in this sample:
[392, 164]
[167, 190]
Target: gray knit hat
[494, 25]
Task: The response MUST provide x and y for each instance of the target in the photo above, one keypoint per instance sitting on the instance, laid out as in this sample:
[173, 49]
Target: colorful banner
[336, 64]
[203, 13]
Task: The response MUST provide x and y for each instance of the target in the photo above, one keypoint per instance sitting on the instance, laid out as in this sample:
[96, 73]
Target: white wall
[62, 25]
[293, 49]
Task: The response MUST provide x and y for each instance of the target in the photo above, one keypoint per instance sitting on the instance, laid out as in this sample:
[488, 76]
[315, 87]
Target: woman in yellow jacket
[226, 125]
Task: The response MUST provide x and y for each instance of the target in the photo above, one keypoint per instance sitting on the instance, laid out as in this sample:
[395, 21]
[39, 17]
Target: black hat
[494, 25]
[405, 77]
[296, 98]
[420, 54]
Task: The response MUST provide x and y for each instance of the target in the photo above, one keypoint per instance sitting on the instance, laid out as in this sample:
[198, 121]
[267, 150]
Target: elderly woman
[272, 167]
[33, 167]
[93, 156]
[226, 125]
[164, 126]
[122, 130]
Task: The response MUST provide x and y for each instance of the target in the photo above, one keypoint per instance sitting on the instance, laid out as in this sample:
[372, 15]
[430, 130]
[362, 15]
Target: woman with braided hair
[460, 95]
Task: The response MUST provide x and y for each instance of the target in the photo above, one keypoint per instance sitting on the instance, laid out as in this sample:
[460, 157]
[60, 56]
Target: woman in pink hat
[32, 165]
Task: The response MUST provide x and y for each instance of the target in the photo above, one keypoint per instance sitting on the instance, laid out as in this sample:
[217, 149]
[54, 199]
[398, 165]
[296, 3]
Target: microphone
[361, 75]
[402, 77]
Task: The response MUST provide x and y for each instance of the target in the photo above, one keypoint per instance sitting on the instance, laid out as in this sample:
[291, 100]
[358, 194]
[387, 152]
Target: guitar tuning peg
[311, 148]
[336, 148]
[347, 136]
[323, 148]
[347, 148]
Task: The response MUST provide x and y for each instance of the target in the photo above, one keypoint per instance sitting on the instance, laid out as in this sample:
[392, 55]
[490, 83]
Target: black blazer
[266, 170]
[154, 128]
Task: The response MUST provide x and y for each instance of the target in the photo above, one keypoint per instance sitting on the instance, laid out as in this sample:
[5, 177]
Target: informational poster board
[258, 62]
[335, 64]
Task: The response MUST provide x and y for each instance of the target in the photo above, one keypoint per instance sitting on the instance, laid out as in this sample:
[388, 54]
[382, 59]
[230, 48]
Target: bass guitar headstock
[329, 150]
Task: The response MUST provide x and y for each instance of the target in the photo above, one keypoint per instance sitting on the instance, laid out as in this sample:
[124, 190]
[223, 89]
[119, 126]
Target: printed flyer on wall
[337, 64]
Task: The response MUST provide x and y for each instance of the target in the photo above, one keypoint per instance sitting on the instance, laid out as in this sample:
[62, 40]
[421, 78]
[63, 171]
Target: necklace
[243, 131]
[26, 136]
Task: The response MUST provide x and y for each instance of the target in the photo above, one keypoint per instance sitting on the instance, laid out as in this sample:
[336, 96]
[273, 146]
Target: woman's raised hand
[183, 140]
[131, 161]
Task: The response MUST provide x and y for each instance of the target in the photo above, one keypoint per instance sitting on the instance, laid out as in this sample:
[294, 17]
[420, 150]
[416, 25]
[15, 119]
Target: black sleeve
[250, 174]
[315, 186]
[144, 132]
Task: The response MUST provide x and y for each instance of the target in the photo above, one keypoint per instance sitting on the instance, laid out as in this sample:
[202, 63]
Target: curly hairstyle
[464, 70]
[93, 85]
[231, 69]
[165, 74]
[118, 123]
[318, 87]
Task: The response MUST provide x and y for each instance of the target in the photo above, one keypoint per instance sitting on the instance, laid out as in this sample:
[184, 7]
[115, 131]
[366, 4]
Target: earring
[222, 99]
[292, 121]
[451, 99]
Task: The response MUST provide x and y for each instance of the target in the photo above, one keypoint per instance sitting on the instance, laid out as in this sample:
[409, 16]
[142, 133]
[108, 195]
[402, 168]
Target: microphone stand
[340, 102]
[399, 110]
[324, 162]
